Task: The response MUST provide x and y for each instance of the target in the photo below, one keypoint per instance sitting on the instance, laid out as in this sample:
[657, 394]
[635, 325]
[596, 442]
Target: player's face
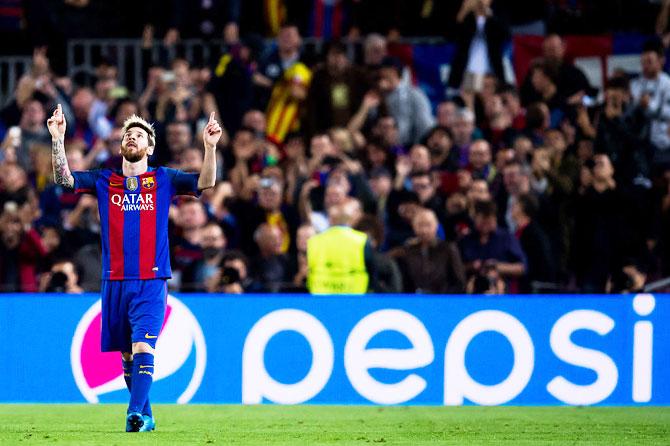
[135, 145]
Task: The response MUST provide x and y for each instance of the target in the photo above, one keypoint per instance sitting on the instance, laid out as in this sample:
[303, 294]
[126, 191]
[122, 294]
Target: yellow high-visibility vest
[336, 262]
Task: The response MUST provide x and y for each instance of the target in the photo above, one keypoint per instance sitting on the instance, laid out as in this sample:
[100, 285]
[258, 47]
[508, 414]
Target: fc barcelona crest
[131, 183]
[148, 183]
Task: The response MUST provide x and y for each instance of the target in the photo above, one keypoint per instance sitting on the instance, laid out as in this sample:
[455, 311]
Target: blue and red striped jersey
[134, 218]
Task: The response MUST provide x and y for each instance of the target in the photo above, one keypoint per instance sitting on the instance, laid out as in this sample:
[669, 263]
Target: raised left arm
[210, 136]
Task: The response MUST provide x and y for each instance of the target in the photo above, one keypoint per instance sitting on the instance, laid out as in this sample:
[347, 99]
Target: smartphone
[588, 101]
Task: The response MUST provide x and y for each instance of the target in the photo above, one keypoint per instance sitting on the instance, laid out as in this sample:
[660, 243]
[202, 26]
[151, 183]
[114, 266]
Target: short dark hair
[434, 130]
[486, 208]
[508, 88]
[289, 24]
[336, 46]
[653, 45]
[235, 255]
[392, 62]
[617, 83]
[547, 68]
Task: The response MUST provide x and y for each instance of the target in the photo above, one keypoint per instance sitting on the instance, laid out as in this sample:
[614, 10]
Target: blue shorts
[132, 311]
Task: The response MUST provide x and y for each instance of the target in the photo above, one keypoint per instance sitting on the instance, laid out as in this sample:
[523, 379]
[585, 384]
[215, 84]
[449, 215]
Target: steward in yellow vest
[336, 258]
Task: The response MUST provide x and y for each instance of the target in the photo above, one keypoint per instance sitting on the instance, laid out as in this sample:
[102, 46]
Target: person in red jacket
[21, 250]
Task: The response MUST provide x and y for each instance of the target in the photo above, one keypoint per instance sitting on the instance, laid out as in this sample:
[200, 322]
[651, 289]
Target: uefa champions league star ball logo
[98, 374]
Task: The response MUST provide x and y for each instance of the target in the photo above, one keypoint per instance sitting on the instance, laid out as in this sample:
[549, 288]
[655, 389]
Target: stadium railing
[133, 59]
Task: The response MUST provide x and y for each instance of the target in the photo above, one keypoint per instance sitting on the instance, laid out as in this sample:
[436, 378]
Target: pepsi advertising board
[423, 350]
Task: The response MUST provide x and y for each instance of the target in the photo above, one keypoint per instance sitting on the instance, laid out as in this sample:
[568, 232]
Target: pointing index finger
[211, 117]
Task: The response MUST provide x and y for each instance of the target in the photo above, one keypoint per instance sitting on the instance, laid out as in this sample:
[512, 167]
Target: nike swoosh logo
[147, 336]
[115, 184]
[145, 366]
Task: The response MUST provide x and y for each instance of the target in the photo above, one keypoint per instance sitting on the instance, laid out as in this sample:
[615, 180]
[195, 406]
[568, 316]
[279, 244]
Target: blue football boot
[134, 422]
[149, 424]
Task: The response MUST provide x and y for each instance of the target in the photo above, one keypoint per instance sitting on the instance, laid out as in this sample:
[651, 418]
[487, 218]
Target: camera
[486, 278]
[57, 283]
[229, 276]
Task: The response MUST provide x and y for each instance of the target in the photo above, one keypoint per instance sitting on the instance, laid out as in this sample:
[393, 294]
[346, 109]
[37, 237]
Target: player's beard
[133, 155]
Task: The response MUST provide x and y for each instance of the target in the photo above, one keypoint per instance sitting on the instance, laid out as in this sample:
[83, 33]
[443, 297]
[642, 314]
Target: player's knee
[142, 347]
[127, 356]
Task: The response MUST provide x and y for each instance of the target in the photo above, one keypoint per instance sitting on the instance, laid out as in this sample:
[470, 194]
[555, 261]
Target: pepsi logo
[99, 373]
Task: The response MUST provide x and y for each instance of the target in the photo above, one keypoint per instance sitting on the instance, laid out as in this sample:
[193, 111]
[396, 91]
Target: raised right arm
[56, 125]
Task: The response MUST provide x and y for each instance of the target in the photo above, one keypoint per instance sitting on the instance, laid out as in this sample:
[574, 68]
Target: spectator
[375, 49]
[512, 103]
[407, 104]
[52, 241]
[621, 135]
[544, 81]
[570, 81]
[270, 269]
[231, 82]
[541, 272]
[178, 137]
[498, 128]
[490, 247]
[190, 220]
[32, 131]
[651, 93]
[445, 114]
[21, 250]
[389, 278]
[269, 208]
[340, 259]
[387, 130]
[479, 161]
[463, 131]
[538, 121]
[286, 107]
[201, 274]
[272, 67]
[423, 185]
[336, 91]
[89, 113]
[444, 157]
[429, 264]
[516, 182]
[479, 47]
[381, 186]
[602, 228]
[62, 278]
[304, 233]
[234, 277]
[88, 263]
[245, 158]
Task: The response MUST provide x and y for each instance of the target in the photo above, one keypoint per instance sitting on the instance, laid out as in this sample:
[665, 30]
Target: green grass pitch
[356, 425]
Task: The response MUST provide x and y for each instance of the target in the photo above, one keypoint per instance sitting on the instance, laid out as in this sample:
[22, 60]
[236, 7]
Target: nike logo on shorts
[148, 336]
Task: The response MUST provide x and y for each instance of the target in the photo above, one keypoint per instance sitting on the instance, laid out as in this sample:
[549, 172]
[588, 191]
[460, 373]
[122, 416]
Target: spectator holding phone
[651, 93]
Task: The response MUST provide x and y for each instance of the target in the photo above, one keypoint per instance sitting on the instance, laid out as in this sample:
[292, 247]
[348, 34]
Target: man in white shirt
[651, 92]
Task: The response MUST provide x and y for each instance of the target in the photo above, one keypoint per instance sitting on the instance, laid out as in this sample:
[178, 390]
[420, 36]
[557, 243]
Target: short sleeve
[84, 182]
[184, 183]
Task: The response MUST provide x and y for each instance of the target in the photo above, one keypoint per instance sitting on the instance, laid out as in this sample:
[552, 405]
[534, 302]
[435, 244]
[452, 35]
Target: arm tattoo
[62, 173]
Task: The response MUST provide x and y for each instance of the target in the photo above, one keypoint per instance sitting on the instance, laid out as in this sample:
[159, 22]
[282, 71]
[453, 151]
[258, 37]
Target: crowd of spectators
[545, 187]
